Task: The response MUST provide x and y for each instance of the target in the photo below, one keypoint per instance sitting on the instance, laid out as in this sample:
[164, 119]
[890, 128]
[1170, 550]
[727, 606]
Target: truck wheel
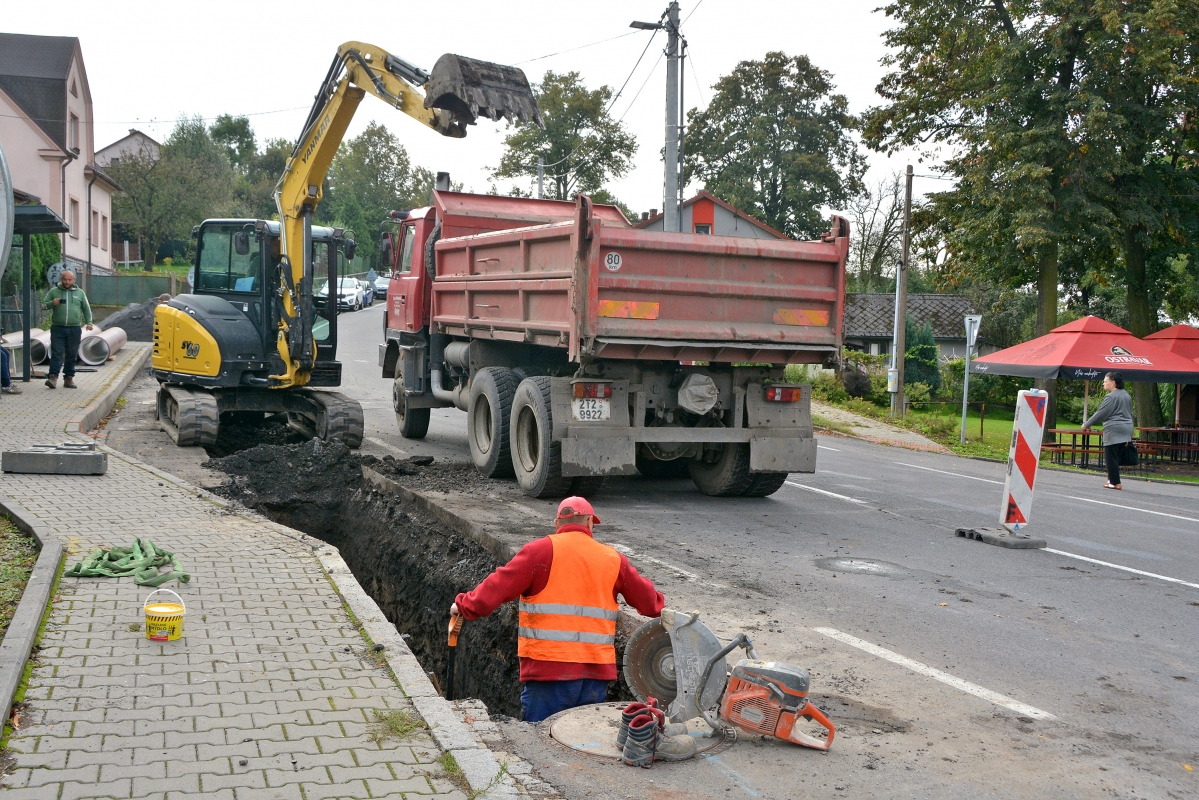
[413, 422]
[536, 458]
[727, 474]
[487, 418]
[764, 484]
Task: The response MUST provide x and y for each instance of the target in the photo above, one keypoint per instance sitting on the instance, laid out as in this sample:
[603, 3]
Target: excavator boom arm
[460, 90]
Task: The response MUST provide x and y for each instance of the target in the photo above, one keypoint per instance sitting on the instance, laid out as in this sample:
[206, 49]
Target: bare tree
[876, 219]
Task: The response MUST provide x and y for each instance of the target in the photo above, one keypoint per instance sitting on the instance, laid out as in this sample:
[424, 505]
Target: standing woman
[1115, 413]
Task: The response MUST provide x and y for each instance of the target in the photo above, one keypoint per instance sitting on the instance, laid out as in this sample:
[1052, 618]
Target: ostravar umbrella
[1181, 340]
[1085, 350]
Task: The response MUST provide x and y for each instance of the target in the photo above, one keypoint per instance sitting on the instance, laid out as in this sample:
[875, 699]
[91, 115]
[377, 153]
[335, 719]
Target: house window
[95, 231]
[74, 88]
[707, 229]
[103, 231]
[73, 132]
[73, 219]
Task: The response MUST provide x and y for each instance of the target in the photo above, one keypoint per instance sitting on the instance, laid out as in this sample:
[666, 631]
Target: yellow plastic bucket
[164, 621]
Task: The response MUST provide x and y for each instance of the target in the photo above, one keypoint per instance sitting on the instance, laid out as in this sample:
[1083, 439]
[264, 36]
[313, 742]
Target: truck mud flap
[782, 454]
[599, 456]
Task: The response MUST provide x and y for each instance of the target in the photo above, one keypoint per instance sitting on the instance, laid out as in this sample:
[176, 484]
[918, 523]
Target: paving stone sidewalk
[872, 430]
[271, 693]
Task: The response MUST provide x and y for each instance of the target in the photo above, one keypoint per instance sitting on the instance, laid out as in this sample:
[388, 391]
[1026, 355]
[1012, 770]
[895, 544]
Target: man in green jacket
[70, 312]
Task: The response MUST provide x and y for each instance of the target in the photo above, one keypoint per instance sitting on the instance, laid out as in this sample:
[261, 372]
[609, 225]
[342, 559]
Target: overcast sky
[150, 62]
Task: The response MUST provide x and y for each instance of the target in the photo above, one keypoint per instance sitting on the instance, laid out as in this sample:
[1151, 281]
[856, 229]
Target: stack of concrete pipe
[14, 342]
[95, 346]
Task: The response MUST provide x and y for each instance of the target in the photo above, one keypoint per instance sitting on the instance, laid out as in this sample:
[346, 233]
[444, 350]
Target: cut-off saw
[679, 661]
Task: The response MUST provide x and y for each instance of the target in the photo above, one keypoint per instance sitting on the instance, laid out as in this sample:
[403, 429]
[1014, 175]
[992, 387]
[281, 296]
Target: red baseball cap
[576, 507]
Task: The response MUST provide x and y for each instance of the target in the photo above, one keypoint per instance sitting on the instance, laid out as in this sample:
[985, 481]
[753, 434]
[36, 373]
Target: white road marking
[937, 675]
[954, 474]
[846, 498]
[385, 445]
[690, 576]
[1118, 566]
[1107, 548]
[822, 447]
[1130, 508]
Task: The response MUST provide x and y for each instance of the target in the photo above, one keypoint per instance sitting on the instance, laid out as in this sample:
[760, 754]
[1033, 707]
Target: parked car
[381, 285]
[368, 292]
[349, 294]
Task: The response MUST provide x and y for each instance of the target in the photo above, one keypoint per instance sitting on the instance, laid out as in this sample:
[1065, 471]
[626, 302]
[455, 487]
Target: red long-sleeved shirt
[527, 574]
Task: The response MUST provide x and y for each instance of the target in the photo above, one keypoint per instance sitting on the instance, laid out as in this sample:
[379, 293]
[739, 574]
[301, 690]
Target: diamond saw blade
[649, 663]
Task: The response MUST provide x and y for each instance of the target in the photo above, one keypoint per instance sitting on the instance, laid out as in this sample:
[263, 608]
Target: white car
[349, 294]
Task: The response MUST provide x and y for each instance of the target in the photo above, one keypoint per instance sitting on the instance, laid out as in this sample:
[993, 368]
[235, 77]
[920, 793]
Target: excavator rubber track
[190, 417]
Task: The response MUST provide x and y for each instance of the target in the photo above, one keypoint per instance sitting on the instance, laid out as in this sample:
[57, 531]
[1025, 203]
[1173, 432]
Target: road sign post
[972, 323]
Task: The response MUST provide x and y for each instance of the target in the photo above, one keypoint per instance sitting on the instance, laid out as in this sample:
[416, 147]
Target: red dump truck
[581, 347]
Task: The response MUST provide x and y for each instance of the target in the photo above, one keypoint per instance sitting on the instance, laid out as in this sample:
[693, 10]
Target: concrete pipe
[96, 345]
[39, 348]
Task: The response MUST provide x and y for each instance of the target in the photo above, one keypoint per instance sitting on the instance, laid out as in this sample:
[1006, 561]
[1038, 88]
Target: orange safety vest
[574, 617]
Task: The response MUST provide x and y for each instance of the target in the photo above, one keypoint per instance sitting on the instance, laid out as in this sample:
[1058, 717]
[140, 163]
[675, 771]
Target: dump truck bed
[605, 290]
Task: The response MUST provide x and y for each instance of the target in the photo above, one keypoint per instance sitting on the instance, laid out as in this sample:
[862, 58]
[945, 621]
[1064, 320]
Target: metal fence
[121, 290]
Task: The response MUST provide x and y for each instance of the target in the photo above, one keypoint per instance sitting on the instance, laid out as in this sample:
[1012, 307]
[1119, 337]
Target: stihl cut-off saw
[677, 660]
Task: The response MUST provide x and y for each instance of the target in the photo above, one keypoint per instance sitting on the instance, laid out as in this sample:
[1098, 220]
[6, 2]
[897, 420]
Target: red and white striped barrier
[1023, 457]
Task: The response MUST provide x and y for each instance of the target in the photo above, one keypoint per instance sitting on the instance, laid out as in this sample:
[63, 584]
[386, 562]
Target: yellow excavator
[255, 338]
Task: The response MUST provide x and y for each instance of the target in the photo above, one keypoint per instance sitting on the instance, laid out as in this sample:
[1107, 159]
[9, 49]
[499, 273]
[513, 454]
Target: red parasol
[1086, 349]
[1182, 340]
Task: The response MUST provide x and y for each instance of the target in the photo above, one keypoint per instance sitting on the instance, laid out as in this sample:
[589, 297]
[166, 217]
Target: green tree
[370, 176]
[1002, 85]
[583, 146]
[920, 362]
[775, 142]
[237, 137]
[162, 198]
[876, 233]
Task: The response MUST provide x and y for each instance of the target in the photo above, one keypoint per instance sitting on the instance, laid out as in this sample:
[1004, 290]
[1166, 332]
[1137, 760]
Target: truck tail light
[592, 389]
[783, 394]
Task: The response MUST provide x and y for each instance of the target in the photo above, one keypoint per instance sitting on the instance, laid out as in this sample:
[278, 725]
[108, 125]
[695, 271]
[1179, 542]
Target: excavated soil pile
[412, 566]
[137, 319]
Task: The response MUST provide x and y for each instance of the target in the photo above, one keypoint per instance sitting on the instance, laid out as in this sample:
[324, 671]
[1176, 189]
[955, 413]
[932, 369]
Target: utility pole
[670, 210]
[901, 297]
[540, 177]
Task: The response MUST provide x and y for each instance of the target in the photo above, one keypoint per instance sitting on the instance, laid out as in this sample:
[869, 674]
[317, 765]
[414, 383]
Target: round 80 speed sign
[613, 262]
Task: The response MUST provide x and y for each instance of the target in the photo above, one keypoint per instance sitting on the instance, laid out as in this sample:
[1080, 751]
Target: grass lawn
[18, 554]
[159, 270]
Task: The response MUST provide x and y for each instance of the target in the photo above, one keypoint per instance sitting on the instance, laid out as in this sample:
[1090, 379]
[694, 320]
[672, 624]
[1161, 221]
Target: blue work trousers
[64, 348]
[541, 699]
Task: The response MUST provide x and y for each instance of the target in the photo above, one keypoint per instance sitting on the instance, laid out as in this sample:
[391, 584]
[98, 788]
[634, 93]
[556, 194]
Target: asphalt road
[951, 667]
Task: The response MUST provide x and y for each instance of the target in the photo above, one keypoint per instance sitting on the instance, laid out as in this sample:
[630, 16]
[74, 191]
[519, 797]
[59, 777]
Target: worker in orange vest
[567, 584]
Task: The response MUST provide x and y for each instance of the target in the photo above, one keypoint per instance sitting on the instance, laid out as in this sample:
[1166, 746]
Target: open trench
[411, 565]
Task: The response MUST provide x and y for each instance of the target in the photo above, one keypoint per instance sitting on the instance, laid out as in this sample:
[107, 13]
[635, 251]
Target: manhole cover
[592, 730]
[863, 566]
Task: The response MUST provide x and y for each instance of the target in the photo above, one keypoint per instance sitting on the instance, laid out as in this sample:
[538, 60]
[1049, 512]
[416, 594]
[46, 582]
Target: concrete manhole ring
[863, 566]
[592, 730]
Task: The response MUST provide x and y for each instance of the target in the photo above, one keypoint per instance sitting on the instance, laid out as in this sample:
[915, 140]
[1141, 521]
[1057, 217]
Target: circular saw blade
[649, 663]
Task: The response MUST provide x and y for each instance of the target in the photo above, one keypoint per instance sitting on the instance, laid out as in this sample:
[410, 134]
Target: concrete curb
[18, 639]
[117, 384]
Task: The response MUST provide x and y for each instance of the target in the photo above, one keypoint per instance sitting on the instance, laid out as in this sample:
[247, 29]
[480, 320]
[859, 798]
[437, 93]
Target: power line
[573, 49]
[697, 5]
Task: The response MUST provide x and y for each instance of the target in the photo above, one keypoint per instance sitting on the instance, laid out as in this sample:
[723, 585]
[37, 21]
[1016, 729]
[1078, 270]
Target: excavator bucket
[469, 88]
